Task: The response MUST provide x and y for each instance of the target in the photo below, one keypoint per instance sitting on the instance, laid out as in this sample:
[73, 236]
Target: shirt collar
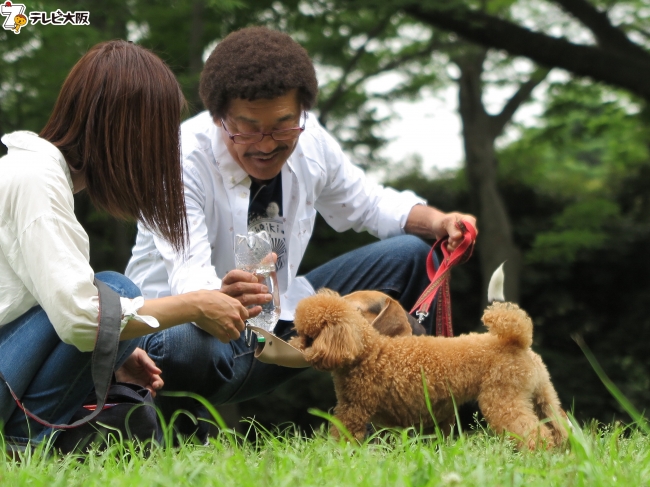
[232, 173]
[29, 141]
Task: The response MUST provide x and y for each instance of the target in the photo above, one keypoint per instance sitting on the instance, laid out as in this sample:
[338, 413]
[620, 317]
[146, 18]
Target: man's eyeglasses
[279, 135]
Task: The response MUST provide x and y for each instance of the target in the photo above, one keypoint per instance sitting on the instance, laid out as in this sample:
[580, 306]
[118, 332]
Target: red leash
[440, 279]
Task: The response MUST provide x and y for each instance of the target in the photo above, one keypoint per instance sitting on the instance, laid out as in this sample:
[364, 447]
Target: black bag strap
[103, 359]
[124, 392]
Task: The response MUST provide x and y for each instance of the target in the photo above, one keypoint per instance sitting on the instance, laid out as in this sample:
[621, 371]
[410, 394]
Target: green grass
[595, 456]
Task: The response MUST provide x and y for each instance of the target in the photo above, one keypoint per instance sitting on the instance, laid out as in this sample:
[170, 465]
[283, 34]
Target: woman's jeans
[192, 360]
[51, 378]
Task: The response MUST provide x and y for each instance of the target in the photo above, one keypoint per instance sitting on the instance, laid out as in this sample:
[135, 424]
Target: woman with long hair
[114, 132]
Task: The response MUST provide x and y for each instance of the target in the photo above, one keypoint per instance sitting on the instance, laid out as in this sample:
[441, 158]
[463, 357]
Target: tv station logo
[16, 18]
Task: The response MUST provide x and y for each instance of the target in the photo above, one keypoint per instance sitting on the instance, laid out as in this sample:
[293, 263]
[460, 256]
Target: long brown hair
[116, 121]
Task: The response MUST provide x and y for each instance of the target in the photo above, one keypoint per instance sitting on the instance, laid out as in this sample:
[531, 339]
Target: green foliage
[33, 67]
[591, 144]
[576, 189]
[581, 226]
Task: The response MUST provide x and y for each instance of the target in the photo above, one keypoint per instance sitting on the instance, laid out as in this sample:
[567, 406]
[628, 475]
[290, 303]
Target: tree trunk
[495, 243]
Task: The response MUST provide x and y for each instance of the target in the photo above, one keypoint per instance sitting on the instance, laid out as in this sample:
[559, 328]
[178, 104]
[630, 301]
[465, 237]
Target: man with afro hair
[257, 159]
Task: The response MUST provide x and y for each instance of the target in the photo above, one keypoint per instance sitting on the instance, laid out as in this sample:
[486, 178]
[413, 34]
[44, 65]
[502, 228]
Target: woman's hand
[219, 314]
[140, 369]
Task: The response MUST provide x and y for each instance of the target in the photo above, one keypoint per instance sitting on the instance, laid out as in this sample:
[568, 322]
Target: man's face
[264, 159]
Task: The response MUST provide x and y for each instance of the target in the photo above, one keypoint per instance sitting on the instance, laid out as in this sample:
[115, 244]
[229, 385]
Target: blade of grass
[629, 408]
[427, 400]
[335, 421]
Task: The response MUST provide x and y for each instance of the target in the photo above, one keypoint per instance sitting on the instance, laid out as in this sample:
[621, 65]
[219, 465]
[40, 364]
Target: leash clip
[421, 316]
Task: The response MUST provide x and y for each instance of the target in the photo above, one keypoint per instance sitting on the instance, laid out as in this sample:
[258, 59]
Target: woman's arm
[216, 313]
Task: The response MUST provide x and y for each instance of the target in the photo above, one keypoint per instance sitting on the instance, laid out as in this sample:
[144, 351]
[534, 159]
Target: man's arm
[431, 223]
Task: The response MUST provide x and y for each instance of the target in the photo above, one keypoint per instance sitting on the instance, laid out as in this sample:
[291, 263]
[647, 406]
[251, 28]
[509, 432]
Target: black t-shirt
[265, 213]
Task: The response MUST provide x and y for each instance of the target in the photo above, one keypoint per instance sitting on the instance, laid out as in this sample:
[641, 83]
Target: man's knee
[119, 283]
[412, 246]
[187, 354]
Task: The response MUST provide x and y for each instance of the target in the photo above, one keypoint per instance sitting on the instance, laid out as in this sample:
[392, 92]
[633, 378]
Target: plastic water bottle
[253, 253]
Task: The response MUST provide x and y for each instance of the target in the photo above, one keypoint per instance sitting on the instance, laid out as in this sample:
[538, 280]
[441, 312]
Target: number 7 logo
[15, 18]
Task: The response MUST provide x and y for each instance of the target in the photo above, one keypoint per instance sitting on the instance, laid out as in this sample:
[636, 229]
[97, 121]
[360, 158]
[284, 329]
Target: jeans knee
[119, 283]
[413, 246]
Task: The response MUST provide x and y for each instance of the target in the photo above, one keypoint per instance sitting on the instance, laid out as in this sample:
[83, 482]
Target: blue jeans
[192, 360]
[50, 377]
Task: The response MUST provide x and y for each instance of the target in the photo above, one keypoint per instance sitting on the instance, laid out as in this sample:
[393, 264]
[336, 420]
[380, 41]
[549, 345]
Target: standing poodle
[379, 379]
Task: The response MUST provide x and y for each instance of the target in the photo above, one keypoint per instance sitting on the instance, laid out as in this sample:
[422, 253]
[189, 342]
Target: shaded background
[564, 199]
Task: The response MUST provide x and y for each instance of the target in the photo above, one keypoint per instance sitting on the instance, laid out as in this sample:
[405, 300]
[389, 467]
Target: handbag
[129, 413]
[102, 365]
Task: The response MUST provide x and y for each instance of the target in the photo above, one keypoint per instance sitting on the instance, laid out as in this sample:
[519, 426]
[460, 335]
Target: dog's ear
[298, 342]
[335, 346]
[393, 320]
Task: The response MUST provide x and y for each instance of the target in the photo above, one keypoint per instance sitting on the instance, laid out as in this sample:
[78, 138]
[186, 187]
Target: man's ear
[217, 121]
[392, 321]
[335, 346]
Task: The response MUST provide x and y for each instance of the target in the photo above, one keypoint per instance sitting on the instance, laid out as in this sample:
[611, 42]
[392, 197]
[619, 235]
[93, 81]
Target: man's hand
[246, 288]
[428, 222]
[140, 369]
[451, 224]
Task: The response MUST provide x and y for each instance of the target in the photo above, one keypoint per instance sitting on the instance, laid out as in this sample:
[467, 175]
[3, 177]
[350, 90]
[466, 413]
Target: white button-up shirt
[317, 177]
[44, 251]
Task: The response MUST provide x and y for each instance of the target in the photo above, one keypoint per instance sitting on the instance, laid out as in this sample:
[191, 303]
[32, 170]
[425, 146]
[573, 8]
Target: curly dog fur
[379, 379]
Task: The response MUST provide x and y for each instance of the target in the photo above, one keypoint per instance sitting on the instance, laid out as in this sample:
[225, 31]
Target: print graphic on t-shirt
[265, 213]
[273, 225]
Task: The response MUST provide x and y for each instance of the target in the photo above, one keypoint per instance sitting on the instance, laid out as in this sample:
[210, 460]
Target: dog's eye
[309, 341]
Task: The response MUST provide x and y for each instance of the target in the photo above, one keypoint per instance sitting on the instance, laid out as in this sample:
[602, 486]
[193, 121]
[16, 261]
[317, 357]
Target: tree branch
[394, 63]
[637, 29]
[598, 22]
[327, 105]
[623, 69]
[521, 95]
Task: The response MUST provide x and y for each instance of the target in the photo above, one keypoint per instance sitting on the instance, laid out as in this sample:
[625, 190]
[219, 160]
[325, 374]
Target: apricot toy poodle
[379, 379]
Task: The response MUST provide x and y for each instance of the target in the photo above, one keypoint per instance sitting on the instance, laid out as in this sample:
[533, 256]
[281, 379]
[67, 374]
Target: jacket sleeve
[192, 270]
[349, 199]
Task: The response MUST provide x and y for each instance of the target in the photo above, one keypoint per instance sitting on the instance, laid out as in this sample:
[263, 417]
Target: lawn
[595, 455]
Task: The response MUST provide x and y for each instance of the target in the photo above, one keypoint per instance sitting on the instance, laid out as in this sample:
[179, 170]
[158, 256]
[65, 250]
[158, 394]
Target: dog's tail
[506, 320]
[510, 323]
[495, 288]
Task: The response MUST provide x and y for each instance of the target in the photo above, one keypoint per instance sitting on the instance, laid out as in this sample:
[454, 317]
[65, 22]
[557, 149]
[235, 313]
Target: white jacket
[44, 252]
[318, 177]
